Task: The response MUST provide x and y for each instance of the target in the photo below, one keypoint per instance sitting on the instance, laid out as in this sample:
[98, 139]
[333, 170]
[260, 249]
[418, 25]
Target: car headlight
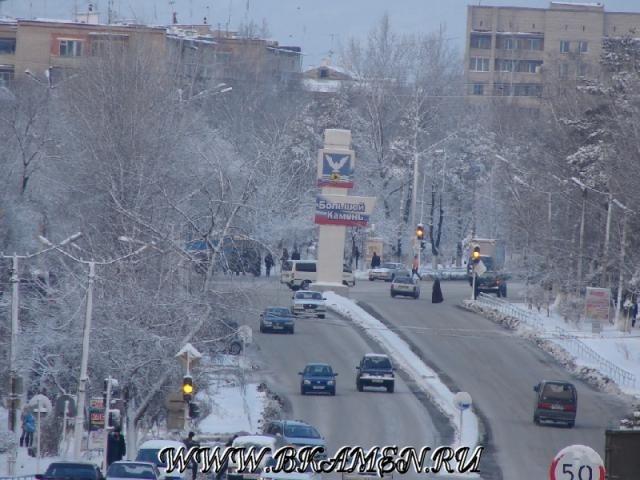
[330, 382]
[268, 324]
[307, 382]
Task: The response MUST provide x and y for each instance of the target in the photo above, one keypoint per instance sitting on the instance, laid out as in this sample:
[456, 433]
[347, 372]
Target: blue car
[277, 319]
[318, 377]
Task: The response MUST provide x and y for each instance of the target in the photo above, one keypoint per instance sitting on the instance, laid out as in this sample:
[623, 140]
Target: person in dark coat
[436, 293]
[268, 263]
[295, 255]
[116, 447]
[375, 260]
[191, 442]
[285, 256]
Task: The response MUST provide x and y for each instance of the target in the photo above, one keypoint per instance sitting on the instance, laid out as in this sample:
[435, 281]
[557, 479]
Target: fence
[19, 477]
[574, 344]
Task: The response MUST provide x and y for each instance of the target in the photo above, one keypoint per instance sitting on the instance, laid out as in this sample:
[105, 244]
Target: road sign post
[462, 401]
[577, 462]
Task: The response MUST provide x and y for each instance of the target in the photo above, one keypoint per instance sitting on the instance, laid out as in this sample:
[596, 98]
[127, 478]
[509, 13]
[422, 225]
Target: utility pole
[581, 247]
[607, 236]
[621, 274]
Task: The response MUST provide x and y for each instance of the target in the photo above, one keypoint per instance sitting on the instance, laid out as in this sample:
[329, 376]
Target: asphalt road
[499, 370]
[366, 419]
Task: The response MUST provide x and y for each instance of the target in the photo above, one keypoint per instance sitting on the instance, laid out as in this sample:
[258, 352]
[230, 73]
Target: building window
[535, 44]
[7, 46]
[583, 69]
[502, 89]
[6, 76]
[481, 41]
[529, 66]
[503, 65]
[564, 70]
[509, 44]
[583, 47]
[70, 48]
[479, 64]
[324, 73]
[101, 44]
[527, 90]
[565, 46]
[477, 89]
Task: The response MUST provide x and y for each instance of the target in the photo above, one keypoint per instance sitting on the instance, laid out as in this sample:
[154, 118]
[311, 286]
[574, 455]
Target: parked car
[387, 271]
[556, 401]
[299, 274]
[405, 286]
[257, 442]
[148, 452]
[296, 433]
[318, 377]
[277, 319]
[309, 303]
[124, 470]
[375, 370]
[71, 471]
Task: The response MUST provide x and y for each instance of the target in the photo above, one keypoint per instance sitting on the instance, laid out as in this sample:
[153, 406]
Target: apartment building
[516, 53]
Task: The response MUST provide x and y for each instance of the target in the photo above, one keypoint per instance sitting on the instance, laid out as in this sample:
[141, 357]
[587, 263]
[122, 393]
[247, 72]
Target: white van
[148, 452]
[297, 274]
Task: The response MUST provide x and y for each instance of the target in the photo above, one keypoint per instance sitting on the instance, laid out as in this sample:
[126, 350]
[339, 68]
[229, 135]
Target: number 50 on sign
[577, 462]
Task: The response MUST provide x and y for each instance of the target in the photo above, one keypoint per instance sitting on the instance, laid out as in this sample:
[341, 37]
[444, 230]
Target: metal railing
[19, 477]
[575, 345]
[579, 349]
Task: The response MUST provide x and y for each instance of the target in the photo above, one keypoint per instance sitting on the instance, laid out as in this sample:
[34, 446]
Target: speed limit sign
[577, 462]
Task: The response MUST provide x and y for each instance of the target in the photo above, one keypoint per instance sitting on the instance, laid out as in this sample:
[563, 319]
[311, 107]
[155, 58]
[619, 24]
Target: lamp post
[15, 327]
[86, 332]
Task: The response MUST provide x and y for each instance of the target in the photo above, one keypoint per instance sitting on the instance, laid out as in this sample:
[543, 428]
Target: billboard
[335, 168]
[343, 210]
[596, 303]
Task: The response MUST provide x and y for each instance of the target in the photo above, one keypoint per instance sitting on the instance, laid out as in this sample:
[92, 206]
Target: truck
[621, 460]
[492, 256]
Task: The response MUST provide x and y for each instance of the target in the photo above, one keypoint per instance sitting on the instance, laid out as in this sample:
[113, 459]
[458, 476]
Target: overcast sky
[316, 26]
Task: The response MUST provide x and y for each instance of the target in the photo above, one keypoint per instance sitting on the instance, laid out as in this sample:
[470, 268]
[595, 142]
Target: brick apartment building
[515, 53]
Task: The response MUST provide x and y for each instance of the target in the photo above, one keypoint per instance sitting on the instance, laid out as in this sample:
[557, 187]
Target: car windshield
[58, 470]
[408, 280]
[558, 393]
[488, 262]
[309, 295]
[318, 370]
[151, 456]
[301, 431]
[390, 266]
[131, 470]
[249, 444]
[278, 312]
[377, 363]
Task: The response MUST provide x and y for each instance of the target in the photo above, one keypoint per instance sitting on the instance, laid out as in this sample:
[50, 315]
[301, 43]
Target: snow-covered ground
[409, 362]
[614, 354]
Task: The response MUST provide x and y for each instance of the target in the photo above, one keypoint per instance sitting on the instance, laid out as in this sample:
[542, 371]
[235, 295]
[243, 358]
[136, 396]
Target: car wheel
[291, 330]
[333, 392]
[359, 385]
[393, 295]
[571, 424]
[390, 388]
[235, 348]
[302, 390]
[536, 420]
[416, 296]
[371, 279]
[321, 315]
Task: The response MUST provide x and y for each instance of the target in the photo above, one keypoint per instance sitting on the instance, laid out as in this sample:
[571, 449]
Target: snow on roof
[149, 444]
[326, 86]
[265, 440]
[579, 4]
[376, 355]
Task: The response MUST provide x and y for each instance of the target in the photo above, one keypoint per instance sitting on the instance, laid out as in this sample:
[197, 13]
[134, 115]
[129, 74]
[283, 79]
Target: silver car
[386, 271]
[125, 470]
[309, 303]
[405, 286]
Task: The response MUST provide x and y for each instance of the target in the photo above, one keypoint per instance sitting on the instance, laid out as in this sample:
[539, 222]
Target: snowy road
[350, 418]
[499, 370]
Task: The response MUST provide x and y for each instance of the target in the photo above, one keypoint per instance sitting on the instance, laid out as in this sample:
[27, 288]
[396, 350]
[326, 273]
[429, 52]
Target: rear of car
[256, 442]
[124, 470]
[405, 286]
[148, 452]
[309, 303]
[71, 471]
[555, 401]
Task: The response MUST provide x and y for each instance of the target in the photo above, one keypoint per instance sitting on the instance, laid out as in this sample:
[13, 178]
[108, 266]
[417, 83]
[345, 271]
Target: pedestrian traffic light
[475, 255]
[420, 231]
[187, 388]
[423, 245]
[194, 410]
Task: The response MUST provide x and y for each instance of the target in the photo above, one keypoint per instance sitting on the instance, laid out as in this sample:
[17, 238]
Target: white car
[257, 442]
[149, 450]
[387, 271]
[309, 303]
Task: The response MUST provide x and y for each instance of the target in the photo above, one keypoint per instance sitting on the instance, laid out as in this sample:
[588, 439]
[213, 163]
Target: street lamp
[82, 384]
[15, 302]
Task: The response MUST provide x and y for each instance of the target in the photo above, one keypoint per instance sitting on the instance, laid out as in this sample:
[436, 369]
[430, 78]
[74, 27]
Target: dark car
[405, 286]
[277, 319]
[491, 281]
[375, 370]
[318, 377]
[556, 401]
[296, 433]
[71, 471]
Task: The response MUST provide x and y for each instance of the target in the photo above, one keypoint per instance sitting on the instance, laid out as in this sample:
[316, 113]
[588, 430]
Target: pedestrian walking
[268, 263]
[190, 442]
[116, 447]
[285, 256]
[634, 313]
[356, 255]
[375, 260]
[415, 266]
[436, 292]
[28, 428]
[295, 255]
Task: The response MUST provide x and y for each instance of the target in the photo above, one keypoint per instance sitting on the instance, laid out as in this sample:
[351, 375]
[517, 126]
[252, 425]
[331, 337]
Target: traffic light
[475, 255]
[420, 232]
[187, 388]
[194, 410]
[423, 245]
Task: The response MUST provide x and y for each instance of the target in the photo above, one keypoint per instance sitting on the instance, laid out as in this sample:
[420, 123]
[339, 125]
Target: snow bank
[403, 357]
